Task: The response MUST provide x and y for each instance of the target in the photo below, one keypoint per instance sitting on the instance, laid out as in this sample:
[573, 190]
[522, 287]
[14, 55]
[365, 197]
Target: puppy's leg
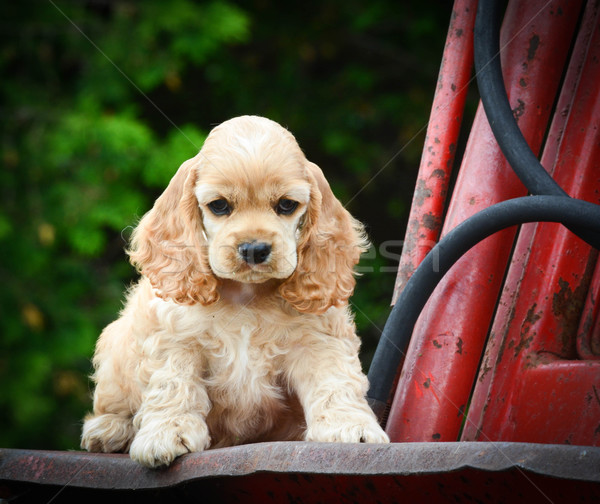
[328, 379]
[110, 427]
[171, 420]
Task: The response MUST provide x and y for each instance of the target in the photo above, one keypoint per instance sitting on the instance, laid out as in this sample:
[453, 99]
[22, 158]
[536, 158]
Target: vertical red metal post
[443, 357]
[426, 212]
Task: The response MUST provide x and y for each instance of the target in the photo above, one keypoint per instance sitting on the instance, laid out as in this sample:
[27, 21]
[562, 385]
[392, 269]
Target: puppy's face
[253, 192]
[249, 207]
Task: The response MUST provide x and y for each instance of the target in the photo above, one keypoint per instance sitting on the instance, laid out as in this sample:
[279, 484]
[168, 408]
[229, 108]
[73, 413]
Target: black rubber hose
[500, 116]
[399, 326]
[497, 107]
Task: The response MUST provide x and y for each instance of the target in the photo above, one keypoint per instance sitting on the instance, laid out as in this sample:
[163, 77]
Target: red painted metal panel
[558, 403]
[426, 213]
[539, 319]
[445, 350]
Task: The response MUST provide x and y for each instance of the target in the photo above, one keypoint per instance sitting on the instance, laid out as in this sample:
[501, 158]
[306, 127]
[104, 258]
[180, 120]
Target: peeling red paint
[459, 346]
[525, 338]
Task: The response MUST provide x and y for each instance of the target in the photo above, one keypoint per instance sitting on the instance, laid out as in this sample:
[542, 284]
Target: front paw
[107, 433]
[160, 442]
[359, 428]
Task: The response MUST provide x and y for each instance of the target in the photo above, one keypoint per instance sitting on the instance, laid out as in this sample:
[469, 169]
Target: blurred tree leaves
[79, 165]
[102, 100]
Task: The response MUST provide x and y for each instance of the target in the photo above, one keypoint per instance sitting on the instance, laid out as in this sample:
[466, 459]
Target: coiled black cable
[399, 326]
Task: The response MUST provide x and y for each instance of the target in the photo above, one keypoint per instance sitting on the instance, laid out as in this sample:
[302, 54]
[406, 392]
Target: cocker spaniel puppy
[239, 330]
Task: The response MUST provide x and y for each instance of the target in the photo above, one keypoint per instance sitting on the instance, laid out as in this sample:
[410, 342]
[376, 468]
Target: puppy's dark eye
[286, 206]
[219, 207]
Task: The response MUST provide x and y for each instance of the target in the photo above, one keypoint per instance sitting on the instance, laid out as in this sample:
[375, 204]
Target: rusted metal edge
[119, 472]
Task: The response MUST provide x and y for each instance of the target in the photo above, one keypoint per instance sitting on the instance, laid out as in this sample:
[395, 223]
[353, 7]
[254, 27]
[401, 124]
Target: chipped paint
[525, 338]
[459, 346]
[422, 192]
[567, 306]
[431, 221]
[519, 110]
[534, 43]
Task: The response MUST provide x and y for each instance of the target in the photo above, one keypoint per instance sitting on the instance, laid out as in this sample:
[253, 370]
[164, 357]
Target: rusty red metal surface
[540, 371]
[426, 213]
[312, 472]
[588, 333]
[443, 358]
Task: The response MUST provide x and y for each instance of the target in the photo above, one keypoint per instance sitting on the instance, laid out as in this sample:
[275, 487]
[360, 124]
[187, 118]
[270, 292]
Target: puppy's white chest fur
[243, 359]
[241, 354]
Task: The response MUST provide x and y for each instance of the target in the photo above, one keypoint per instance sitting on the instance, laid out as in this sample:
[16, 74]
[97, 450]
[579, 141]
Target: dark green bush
[101, 102]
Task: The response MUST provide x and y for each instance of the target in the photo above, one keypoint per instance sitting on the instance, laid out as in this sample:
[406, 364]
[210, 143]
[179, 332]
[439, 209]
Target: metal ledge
[305, 471]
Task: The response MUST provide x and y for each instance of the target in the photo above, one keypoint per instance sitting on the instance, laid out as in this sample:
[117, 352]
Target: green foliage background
[102, 100]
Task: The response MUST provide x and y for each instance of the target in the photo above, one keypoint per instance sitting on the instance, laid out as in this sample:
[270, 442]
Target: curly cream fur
[210, 351]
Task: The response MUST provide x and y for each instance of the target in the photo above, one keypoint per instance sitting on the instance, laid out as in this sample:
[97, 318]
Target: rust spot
[567, 305]
[411, 237]
[431, 221]
[459, 346]
[439, 173]
[522, 82]
[519, 110]
[486, 368]
[436, 344]
[525, 340]
[534, 43]
[422, 192]
[436, 436]
[427, 383]
[453, 87]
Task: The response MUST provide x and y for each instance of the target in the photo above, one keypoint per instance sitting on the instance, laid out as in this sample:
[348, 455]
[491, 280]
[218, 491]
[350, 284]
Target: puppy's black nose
[254, 252]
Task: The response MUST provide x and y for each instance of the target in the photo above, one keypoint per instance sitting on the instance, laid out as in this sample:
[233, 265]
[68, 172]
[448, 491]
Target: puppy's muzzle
[254, 252]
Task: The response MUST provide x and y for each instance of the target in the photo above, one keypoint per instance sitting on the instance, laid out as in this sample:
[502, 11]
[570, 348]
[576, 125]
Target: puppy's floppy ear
[169, 246]
[330, 246]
